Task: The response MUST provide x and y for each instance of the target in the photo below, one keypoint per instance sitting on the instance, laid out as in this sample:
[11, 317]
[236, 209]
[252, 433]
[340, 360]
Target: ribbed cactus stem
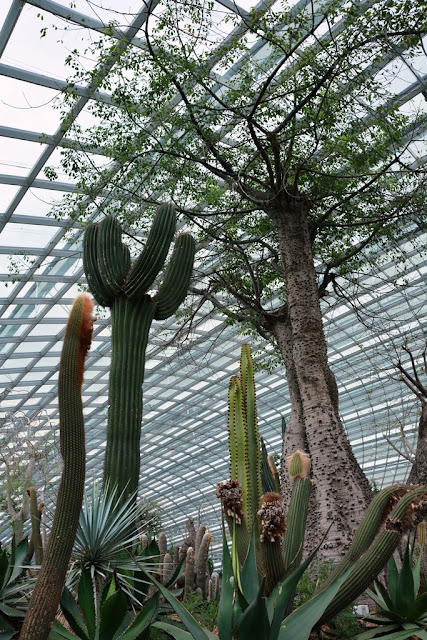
[189, 573]
[201, 530]
[131, 322]
[163, 546]
[36, 538]
[48, 588]
[368, 566]
[201, 562]
[375, 515]
[167, 567]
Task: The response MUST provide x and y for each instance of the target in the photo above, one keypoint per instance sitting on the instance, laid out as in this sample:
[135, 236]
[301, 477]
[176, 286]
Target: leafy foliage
[228, 135]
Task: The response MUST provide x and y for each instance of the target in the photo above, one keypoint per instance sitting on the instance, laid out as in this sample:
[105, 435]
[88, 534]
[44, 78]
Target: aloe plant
[124, 286]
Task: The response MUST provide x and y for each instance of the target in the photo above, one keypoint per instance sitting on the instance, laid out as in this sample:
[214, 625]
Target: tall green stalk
[46, 595]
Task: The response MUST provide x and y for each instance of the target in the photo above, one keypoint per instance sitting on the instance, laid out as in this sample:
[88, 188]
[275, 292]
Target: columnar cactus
[50, 582]
[281, 540]
[36, 538]
[123, 286]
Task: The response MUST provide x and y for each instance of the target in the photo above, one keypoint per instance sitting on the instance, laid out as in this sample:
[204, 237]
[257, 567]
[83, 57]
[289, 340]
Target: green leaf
[87, 602]
[298, 625]
[113, 610]
[393, 578]
[59, 632]
[225, 611]
[367, 635]
[72, 614]
[172, 630]
[405, 594]
[142, 620]
[418, 609]
[254, 622]
[19, 554]
[249, 575]
[187, 619]
[383, 596]
[283, 592]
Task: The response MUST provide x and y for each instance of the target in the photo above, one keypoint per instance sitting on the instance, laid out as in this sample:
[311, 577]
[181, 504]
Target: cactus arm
[237, 437]
[131, 321]
[375, 514]
[148, 264]
[174, 287]
[368, 566]
[113, 256]
[48, 588]
[100, 292]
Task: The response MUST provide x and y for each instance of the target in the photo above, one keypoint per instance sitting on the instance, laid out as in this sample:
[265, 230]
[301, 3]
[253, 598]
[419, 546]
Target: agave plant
[403, 611]
[107, 539]
[14, 588]
[104, 615]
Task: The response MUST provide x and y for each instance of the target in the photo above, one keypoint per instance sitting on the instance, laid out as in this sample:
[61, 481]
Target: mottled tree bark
[418, 473]
[342, 491]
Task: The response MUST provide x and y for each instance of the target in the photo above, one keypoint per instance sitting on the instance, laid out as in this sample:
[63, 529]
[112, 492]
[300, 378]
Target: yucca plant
[403, 610]
[107, 539]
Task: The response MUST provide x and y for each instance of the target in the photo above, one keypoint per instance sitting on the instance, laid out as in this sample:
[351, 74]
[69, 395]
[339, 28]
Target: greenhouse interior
[260, 167]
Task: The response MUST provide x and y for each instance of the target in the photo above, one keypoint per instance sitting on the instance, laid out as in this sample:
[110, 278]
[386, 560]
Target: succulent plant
[117, 282]
[279, 537]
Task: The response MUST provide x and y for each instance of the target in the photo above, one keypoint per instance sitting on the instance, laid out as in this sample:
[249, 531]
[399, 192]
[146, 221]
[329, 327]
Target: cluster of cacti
[124, 286]
[280, 536]
[195, 551]
[46, 595]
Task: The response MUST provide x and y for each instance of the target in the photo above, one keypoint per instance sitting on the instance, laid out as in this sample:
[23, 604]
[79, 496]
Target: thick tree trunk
[418, 473]
[342, 489]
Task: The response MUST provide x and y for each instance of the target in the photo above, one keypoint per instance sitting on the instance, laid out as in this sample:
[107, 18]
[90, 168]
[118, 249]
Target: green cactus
[279, 550]
[123, 286]
[46, 595]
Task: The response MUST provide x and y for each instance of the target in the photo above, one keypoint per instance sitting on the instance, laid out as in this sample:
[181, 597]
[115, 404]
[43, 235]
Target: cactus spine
[48, 588]
[123, 286]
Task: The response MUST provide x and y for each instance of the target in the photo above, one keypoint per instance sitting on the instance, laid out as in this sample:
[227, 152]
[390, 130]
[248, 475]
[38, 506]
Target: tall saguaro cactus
[123, 286]
[50, 582]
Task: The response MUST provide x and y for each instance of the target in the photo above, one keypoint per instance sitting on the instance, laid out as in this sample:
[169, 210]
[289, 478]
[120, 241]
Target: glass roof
[184, 437]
